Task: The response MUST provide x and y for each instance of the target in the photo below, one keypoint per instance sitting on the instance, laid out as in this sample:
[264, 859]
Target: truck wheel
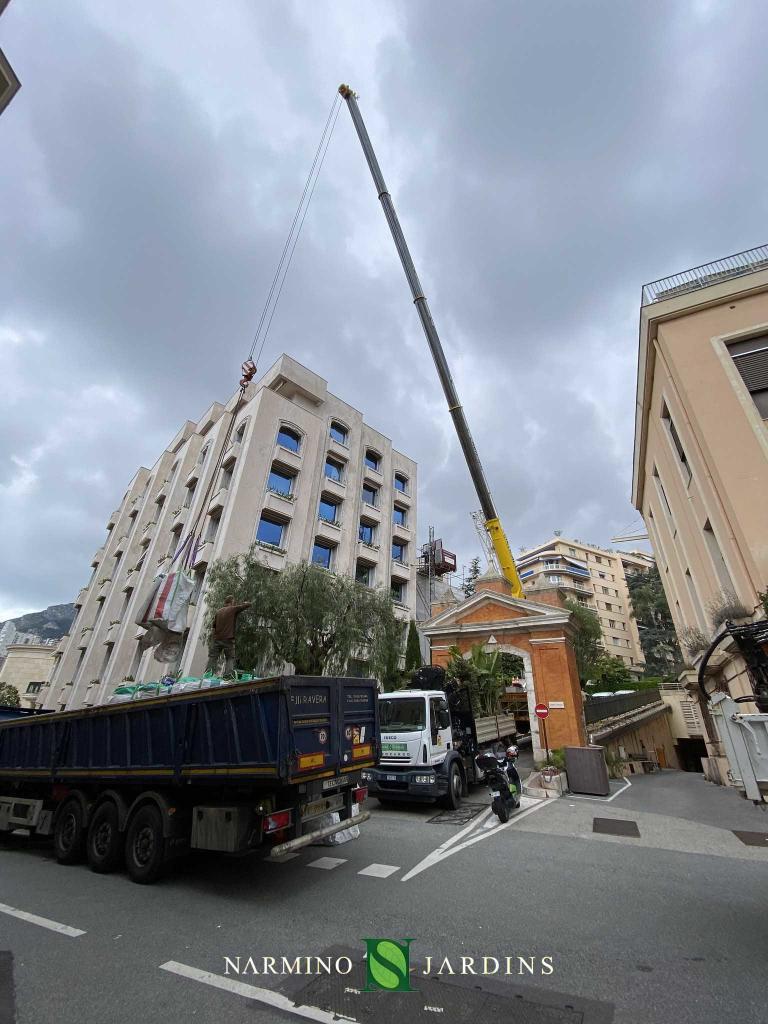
[145, 846]
[104, 845]
[453, 797]
[68, 835]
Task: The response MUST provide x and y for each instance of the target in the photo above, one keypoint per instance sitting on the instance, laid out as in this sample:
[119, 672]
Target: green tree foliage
[473, 574]
[9, 696]
[307, 616]
[481, 673]
[412, 649]
[587, 643]
[654, 623]
[610, 673]
[512, 667]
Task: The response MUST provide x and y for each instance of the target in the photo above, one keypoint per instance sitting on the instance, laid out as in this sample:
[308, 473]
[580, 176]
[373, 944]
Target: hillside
[50, 624]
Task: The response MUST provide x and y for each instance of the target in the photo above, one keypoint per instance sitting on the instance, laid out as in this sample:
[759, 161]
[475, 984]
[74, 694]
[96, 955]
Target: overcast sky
[546, 159]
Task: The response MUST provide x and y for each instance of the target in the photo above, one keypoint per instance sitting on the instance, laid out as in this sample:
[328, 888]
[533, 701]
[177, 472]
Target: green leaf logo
[388, 965]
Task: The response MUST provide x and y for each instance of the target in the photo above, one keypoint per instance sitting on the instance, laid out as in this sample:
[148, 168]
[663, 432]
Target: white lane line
[379, 870]
[260, 995]
[327, 863]
[601, 799]
[442, 853]
[476, 822]
[43, 922]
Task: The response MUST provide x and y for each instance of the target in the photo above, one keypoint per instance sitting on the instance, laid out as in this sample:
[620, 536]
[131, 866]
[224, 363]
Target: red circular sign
[541, 710]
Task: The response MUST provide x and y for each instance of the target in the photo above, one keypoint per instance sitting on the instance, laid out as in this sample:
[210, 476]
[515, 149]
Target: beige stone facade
[700, 475]
[302, 474]
[28, 667]
[597, 579]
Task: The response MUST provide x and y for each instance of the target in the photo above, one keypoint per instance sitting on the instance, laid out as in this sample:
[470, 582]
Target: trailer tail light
[277, 821]
[360, 794]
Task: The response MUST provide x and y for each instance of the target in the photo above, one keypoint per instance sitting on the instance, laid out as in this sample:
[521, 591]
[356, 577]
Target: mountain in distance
[50, 624]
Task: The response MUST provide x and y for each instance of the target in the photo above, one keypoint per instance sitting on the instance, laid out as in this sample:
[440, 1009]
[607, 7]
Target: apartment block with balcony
[597, 579]
[300, 474]
[700, 470]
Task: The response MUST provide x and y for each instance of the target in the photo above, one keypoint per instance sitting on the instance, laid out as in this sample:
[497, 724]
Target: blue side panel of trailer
[289, 728]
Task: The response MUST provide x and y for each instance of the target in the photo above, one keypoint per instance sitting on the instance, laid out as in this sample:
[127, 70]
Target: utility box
[221, 828]
[586, 770]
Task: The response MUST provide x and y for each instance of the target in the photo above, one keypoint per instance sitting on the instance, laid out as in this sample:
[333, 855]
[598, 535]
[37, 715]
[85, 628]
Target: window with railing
[289, 438]
[281, 482]
[338, 432]
[322, 554]
[370, 495]
[271, 531]
[399, 552]
[334, 470]
[398, 591]
[399, 516]
[328, 510]
[366, 532]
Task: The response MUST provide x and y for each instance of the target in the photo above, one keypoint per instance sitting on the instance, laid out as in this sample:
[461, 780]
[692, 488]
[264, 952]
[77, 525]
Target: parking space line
[42, 922]
[379, 870]
[260, 995]
[327, 863]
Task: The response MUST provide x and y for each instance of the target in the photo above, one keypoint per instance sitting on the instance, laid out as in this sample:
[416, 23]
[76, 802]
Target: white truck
[429, 741]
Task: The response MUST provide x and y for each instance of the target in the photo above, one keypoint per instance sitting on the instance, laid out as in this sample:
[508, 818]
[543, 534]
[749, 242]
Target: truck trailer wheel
[455, 785]
[145, 846]
[68, 834]
[104, 845]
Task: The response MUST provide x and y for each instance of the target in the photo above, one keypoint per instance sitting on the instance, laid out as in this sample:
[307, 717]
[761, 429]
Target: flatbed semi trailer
[231, 769]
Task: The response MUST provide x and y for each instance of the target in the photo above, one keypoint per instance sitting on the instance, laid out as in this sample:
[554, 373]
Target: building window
[370, 495]
[675, 438]
[605, 590]
[213, 527]
[339, 432]
[364, 574]
[571, 551]
[367, 532]
[270, 531]
[240, 432]
[398, 551]
[372, 460]
[555, 579]
[399, 516]
[34, 687]
[334, 470]
[551, 565]
[189, 495]
[717, 557]
[194, 599]
[398, 590]
[202, 456]
[612, 623]
[662, 492]
[598, 558]
[321, 554]
[280, 482]
[401, 483]
[751, 360]
[328, 510]
[602, 576]
[288, 438]
[226, 476]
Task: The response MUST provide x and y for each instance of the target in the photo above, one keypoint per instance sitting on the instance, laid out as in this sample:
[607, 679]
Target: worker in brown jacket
[222, 638]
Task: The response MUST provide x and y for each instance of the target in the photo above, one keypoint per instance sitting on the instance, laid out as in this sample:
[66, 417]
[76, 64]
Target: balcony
[180, 515]
[85, 637]
[130, 579]
[403, 498]
[338, 448]
[232, 453]
[279, 503]
[368, 549]
[112, 521]
[400, 570]
[104, 587]
[269, 555]
[328, 530]
[401, 532]
[61, 646]
[147, 533]
[203, 554]
[81, 598]
[748, 262]
[336, 487]
[112, 633]
[121, 545]
[373, 476]
[372, 512]
[193, 476]
[96, 560]
[162, 494]
[216, 504]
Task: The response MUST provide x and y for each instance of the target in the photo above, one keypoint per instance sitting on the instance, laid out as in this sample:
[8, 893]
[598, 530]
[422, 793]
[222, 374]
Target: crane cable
[192, 542]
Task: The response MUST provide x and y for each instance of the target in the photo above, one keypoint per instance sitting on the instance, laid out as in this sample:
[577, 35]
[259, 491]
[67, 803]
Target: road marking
[447, 850]
[43, 922]
[260, 995]
[379, 870]
[327, 863]
[282, 859]
[602, 799]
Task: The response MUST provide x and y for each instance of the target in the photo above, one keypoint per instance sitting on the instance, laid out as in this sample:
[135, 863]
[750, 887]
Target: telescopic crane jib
[491, 520]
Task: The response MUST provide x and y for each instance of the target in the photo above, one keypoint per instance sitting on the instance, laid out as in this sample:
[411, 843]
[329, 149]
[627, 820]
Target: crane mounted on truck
[491, 520]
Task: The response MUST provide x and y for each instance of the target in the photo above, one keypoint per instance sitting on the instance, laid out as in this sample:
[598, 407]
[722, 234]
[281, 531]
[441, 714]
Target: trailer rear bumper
[311, 837]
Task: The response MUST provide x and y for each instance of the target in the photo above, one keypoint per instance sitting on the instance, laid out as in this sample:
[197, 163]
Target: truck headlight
[427, 779]
[366, 776]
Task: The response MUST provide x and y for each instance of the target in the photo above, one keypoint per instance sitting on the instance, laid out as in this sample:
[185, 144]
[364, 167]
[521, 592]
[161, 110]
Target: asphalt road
[665, 928]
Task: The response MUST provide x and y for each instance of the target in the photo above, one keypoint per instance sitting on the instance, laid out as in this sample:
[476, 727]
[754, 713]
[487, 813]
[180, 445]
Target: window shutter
[753, 367]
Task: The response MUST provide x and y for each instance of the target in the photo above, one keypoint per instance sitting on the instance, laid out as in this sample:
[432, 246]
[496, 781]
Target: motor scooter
[502, 779]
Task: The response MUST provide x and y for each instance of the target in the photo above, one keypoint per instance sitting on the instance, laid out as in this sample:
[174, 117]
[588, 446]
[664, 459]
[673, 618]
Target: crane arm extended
[491, 519]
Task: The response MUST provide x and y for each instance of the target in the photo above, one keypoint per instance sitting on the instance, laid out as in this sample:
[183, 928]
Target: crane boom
[491, 519]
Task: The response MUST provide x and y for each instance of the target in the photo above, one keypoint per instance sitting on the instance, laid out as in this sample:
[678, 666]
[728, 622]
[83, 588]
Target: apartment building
[301, 475]
[597, 579]
[28, 666]
[700, 472]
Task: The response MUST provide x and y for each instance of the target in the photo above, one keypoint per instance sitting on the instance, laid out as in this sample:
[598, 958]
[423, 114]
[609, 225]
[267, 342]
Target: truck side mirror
[443, 719]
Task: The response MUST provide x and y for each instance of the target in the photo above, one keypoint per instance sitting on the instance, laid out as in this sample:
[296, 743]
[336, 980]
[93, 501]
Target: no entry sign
[541, 710]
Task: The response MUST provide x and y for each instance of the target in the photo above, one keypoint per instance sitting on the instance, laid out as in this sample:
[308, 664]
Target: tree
[9, 696]
[473, 574]
[654, 623]
[412, 649]
[481, 674]
[512, 667]
[611, 673]
[587, 643]
[307, 616]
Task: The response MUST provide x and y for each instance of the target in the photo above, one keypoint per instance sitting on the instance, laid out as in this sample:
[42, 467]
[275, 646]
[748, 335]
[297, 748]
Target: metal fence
[599, 708]
[708, 273]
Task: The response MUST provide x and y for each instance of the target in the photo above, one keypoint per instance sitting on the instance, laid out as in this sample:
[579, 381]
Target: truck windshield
[403, 715]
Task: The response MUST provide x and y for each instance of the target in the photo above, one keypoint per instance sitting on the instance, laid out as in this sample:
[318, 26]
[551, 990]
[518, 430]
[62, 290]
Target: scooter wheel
[501, 810]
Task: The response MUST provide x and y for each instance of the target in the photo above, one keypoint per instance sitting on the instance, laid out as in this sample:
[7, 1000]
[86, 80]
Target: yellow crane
[491, 521]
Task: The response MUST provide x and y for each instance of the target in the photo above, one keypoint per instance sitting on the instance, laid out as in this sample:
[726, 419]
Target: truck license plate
[391, 778]
[495, 792]
[324, 806]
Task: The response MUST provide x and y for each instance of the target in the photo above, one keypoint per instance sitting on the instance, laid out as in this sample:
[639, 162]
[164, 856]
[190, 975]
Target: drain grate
[461, 1000]
[616, 827]
[7, 998]
[461, 816]
[752, 838]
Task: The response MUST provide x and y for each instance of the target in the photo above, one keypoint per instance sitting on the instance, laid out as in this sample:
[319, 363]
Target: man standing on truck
[222, 638]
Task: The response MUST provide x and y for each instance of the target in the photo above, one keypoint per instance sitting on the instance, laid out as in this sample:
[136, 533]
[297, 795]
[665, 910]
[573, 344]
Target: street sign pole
[542, 711]
[546, 744]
